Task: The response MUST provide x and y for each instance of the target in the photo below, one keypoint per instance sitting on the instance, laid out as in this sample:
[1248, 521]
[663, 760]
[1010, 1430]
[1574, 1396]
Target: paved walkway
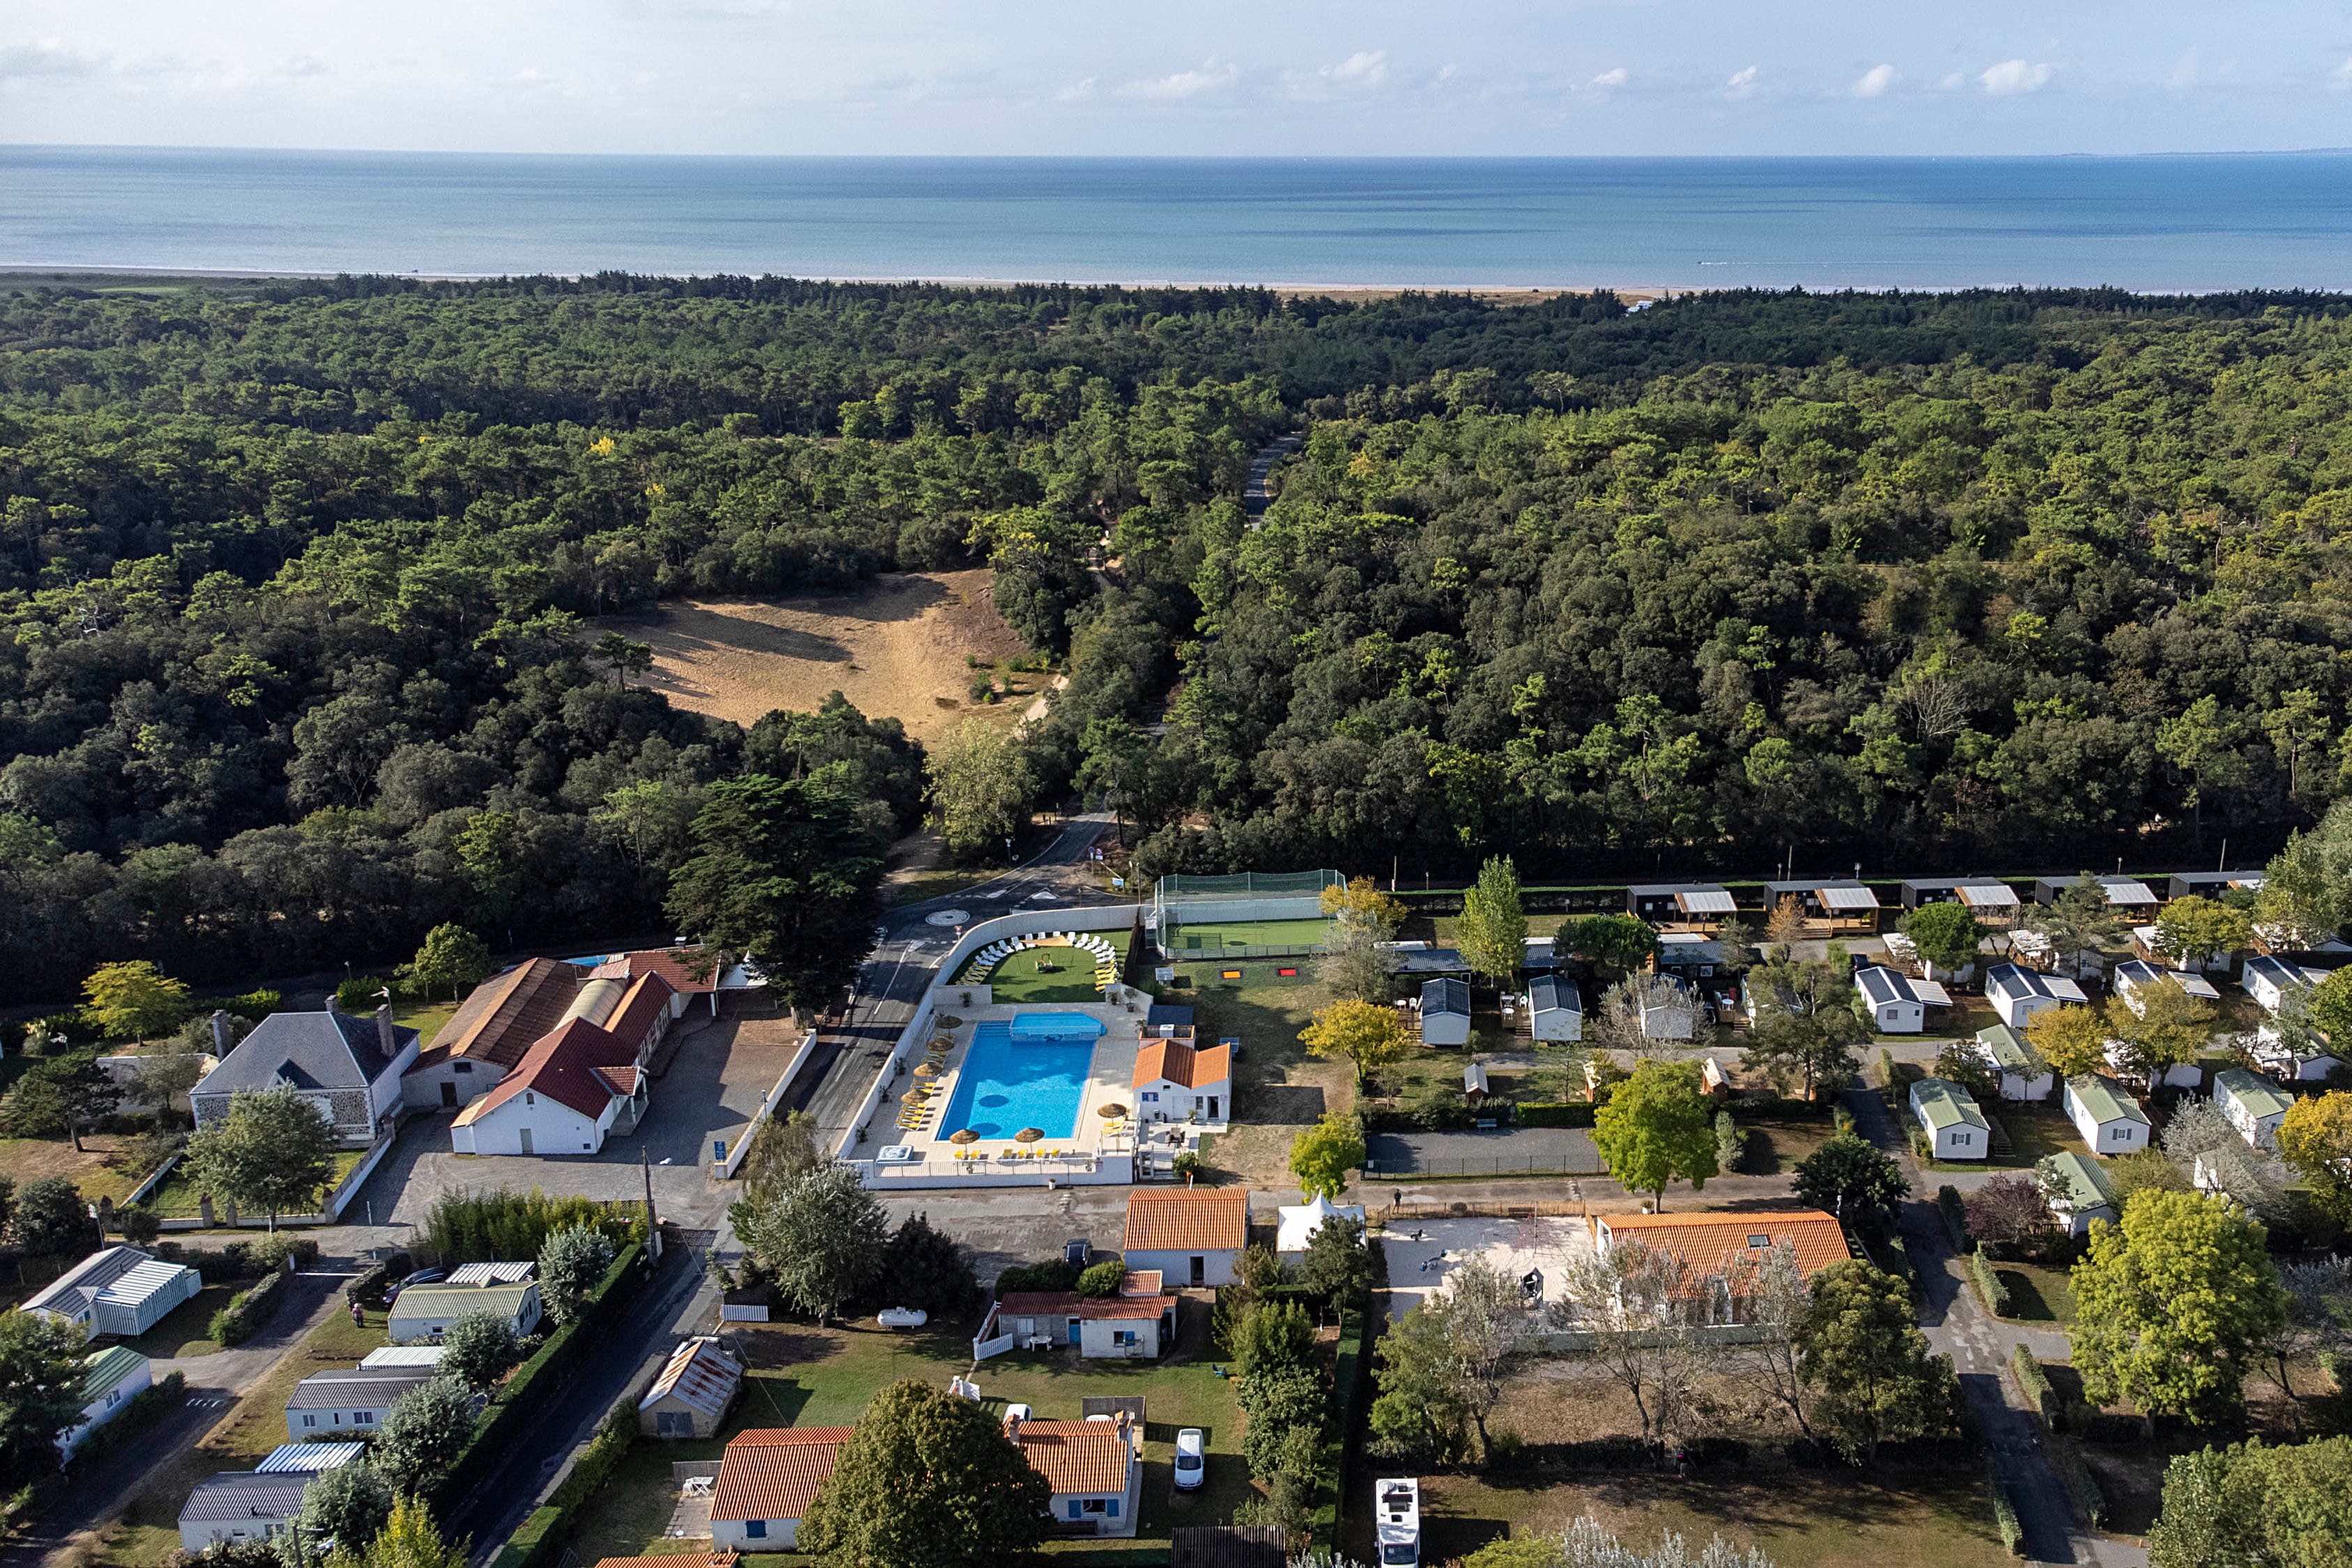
[1981, 1345]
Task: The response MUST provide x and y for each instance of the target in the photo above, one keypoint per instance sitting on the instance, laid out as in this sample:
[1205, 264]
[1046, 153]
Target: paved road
[1979, 1345]
[1257, 495]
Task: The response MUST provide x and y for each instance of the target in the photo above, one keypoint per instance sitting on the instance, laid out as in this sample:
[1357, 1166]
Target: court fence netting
[1244, 896]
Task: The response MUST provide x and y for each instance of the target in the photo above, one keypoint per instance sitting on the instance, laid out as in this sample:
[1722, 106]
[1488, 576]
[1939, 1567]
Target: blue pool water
[1031, 1072]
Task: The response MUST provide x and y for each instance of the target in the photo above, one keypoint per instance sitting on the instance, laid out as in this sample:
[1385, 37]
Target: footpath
[1981, 1346]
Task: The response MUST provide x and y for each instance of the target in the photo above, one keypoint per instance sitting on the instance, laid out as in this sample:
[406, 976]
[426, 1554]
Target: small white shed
[2109, 1120]
[1555, 1009]
[2254, 1105]
[1956, 1128]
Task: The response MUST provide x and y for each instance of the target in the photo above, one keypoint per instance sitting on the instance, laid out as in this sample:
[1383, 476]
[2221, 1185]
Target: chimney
[222, 1043]
[333, 1003]
[384, 1029]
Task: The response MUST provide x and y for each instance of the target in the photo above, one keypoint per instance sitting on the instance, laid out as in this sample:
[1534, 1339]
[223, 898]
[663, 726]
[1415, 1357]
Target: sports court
[1265, 937]
[1252, 914]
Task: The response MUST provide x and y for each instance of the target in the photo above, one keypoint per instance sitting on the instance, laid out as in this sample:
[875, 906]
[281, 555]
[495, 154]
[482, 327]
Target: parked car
[422, 1277]
[1191, 1464]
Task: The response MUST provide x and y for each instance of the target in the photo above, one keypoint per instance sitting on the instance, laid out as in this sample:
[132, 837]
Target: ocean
[2160, 224]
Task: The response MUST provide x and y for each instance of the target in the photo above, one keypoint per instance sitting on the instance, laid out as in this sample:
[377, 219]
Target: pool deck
[1090, 1155]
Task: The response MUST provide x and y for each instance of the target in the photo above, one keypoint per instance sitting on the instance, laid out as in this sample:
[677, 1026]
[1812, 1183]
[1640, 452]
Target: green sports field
[1267, 936]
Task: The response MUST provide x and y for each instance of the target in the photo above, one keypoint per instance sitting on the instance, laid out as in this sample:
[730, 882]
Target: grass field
[1025, 977]
[98, 1171]
[802, 1376]
[2037, 1129]
[1209, 938]
[424, 1018]
[186, 1329]
[176, 1198]
[2038, 1294]
[1277, 1087]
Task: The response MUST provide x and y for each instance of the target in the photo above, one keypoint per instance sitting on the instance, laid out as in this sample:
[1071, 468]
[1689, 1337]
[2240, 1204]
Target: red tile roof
[1180, 1062]
[1141, 1282]
[1069, 1304]
[674, 964]
[1187, 1219]
[647, 1000]
[1708, 1241]
[1076, 1457]
[508, 1013]
[773, 1472]
[579, 1064]
[684, 1560]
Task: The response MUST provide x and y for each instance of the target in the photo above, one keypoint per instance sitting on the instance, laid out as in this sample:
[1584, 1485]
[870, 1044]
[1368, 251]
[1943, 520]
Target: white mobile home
[2268, 980]
[112, 1378]
[1444, 1013]
[2254, 1105]
[2086, 1194]
[1898, 1004]
[344, 1400]
[2180, 1075]
[2023, 1075]
[2137, 975]
[425, 1311]
[1555, 1009]
[2017, 994]
[2109, 1120]
[116, 1290]
[1956, 1128]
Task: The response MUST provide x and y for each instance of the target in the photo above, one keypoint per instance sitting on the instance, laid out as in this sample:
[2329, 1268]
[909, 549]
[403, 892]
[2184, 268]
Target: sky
[1273, 78]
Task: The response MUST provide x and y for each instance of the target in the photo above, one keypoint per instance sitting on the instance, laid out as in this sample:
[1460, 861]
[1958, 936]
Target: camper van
[1399, 1522]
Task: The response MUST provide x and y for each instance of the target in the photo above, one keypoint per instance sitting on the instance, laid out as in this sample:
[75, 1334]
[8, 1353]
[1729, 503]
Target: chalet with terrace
[2127, 896]
[1691, 906]
[349, 1068]
[1993, 902]
[1842, 904]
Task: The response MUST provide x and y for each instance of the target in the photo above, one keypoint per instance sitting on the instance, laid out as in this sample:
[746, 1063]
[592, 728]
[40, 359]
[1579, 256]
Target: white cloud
[2184, 71]
[1952, 82]
[1369, 67]
[1742, 83]
[2341, 77]
[2013, 76]
[47, 57]
[1077, 90]
[528, 73]
[1184, 84]
[1874, 81]
[1614, 76]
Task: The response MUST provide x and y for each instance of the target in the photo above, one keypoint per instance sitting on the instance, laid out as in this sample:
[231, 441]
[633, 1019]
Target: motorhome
[1399, 1518]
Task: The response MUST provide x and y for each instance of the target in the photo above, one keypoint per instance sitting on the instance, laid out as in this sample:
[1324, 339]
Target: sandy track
[897, 648]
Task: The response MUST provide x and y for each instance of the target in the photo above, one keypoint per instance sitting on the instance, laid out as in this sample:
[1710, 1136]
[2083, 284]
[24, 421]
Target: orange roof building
[767, 1479]
[569, 1090]
[1093, 1467]
[677, 965]
[1191, 1235]
[1175, 1081]
[1713, 1245]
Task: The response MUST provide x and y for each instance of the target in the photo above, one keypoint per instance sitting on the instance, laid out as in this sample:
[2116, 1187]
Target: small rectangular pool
[1031, 1072]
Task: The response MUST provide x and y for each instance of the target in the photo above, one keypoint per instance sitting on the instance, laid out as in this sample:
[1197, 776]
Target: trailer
[1399, 1513]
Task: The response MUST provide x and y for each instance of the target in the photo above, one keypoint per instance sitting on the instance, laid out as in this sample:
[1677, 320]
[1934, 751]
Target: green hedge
[2004, 1513]
[517, 1402]
[247, 1311]
[1348, 1374]
[2081, 1485]
[1956, 1216]
[534, 1541]
[1989, 1289]
[2036, 1383]
[1555, 1113]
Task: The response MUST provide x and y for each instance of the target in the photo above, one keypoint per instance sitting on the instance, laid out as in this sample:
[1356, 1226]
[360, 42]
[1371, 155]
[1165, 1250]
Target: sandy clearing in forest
[896, 648]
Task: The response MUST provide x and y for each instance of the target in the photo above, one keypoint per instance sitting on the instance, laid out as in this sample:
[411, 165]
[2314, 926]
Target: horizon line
[7, 146]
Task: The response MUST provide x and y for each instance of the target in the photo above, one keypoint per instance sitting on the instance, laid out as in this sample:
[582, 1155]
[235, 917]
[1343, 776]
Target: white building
[568, 1093]
[2180, 1075]
[116, 1290]
[1555, 1009]
[1176, 1080]
[340, 1401]
[1898, 1004]
[112, 1378]
[2137, 974]
[2268, 980]
[2017, 994]
[1444, 1013]
[767, 1478]
[2109, 1120]
[2254, 1105]
[348, 1068]
[425, 1311]
[2023, 1075]
[1956, 1128]
[1191, 1235]
[1094, 1468]
[2087, 1195]
[242, 1505]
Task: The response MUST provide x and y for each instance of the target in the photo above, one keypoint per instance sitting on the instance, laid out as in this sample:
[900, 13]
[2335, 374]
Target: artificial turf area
[1208, 939]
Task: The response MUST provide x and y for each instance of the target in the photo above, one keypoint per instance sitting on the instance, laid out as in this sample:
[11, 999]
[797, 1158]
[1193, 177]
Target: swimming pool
[1031, 1072]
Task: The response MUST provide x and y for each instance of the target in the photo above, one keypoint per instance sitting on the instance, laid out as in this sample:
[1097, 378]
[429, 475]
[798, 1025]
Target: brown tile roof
[1707, 1242]
[1077, 1456]
[508, 1013]
[1122, 1309]
[1187, 1219]
[1039, 1304]
[644, 1005]
[683, 1560]
[773, 1472]
[579, 1064]
[1180, 1062]
[1069, 1304]
[1141, 1282]
[672, 964]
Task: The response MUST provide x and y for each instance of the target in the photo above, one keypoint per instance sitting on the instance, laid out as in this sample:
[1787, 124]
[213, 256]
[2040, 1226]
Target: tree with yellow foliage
[2072, 1041]
[1364, 1033]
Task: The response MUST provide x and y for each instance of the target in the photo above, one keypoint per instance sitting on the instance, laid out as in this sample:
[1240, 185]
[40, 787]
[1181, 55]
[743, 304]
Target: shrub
[254, 1006]
[1890, 1077]
[247, 1311]
[269, 1254]
[1053, 1274]
[1730, 1142]
[2004, 1514]
[2035, 1384]
[1989, 1289]
[1956, 1216]
[1554, 1113]
[2081, 1485]
[1103, 1279]
[1190, 1165]
[466, 1227]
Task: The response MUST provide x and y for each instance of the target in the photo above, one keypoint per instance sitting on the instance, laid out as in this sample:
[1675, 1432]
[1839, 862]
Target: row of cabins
[547, 1058]
[1846, 905]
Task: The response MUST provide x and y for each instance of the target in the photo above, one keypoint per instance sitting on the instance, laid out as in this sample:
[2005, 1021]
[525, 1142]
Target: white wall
[2015, 1010]
[555, 1128]
[421, 1088]
[784, 1535]
[109, 1406]
[1176, 1268]
[1900, 1017]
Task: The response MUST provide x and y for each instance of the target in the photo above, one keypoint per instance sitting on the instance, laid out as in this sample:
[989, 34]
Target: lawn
[1277, 1087]
[149, 1534]
[802, 1376]
[1267, 936]
[424, 1018]
[2037, 1129]
[100, 1170]
[1777, 1143]
[2038, 1294]
[1834, 1518]
[1026, 977]
[176, 1198]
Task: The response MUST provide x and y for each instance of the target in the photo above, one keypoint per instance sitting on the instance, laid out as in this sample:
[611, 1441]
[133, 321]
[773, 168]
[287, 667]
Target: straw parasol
[963, 1135]
[914, 1094]
[951, 1023]
[1110, 1112]
[1029, 1135]
[926, 1071]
